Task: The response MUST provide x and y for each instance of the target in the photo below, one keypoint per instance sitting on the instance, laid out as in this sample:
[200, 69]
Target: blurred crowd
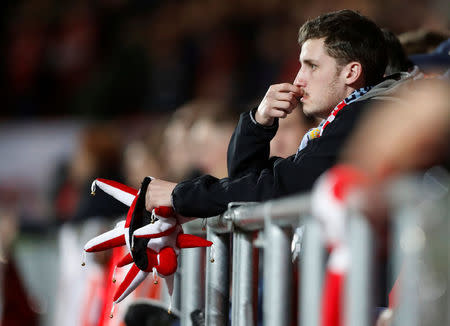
[109, 58]
[155, 88]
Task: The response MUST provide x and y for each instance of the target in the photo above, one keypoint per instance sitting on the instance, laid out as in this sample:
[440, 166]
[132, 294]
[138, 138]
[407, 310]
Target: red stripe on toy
[108, 244]
[130, 213]
[192, 241]
[118, 185]
[164, 211]
[128, 259]
[152, 257]
[131, 275]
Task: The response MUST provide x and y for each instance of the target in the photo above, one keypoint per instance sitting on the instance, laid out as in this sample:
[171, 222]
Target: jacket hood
[387, 88]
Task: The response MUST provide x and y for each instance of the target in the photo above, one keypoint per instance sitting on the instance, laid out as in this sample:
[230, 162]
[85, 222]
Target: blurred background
[123, 89]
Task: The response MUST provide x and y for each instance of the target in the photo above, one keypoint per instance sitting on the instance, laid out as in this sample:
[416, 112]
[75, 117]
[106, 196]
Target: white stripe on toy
[122, 193]
[150, 230]
[169, 283]
[110, 239]
[169, 310]
[133, 278]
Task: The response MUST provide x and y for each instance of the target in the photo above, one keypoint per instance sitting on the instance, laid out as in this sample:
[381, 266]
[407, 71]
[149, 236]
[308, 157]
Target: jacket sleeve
[249, 146]
[208, 196]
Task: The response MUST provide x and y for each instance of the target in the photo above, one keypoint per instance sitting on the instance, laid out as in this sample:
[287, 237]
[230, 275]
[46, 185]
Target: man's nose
[299, 79]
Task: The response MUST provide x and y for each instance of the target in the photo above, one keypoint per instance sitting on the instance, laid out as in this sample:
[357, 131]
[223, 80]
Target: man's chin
[308, 111]
[315, 112]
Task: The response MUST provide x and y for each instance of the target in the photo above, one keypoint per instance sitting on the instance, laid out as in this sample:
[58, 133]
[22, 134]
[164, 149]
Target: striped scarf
[318, 131]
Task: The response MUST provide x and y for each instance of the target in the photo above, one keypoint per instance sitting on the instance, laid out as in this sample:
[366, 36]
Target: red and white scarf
[318, 131]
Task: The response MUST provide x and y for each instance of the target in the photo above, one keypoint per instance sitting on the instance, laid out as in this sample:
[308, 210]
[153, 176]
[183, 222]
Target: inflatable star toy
[153, 240]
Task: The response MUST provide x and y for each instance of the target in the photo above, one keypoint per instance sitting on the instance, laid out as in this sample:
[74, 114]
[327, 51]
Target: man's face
[321, 79]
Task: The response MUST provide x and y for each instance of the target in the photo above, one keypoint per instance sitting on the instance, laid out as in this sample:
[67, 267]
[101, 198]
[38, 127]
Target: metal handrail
[276, 218]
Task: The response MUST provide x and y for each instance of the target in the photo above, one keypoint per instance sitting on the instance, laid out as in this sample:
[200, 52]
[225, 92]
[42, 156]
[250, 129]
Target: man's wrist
[262, 120]
[252, 117]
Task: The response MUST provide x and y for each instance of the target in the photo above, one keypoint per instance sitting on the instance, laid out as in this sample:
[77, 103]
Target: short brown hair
[349, 36]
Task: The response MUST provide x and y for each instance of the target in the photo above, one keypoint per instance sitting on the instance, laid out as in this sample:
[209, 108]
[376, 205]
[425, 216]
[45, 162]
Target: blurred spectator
[397, 59]
[408, 136]
[118, 86]
[8, 227]
[435, 63]
[72, 50]
[24, 55]
[171, 70]
[421, 40]
[210, 135]
[147, 313]
[16, 306]
[177, 148]
[98, 155]
[142, 156]
[103, 58]
[82, 293]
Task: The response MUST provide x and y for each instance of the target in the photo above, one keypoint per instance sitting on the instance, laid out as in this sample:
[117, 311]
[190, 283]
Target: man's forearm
[249, 146]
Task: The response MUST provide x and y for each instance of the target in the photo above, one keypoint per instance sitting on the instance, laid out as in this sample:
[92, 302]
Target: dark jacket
[253, 176]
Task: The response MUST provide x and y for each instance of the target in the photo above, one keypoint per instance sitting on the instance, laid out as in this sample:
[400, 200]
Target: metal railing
[233, 235]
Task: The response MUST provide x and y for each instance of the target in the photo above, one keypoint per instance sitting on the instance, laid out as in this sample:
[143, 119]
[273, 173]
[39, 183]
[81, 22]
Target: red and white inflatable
[153, 241]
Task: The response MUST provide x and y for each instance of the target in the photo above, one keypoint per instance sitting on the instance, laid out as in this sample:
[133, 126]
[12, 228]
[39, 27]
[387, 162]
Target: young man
[342, 57]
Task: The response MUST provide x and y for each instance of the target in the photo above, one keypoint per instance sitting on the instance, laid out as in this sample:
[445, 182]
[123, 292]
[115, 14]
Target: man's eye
[313, 67]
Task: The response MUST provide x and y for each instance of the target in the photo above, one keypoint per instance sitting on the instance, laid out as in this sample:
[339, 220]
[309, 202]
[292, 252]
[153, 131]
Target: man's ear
[353, 73]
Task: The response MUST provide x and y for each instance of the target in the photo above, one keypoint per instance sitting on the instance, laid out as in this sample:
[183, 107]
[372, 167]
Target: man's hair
[349, 36]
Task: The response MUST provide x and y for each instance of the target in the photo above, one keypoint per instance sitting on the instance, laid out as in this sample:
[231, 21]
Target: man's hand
[158, 194]
[278, 102]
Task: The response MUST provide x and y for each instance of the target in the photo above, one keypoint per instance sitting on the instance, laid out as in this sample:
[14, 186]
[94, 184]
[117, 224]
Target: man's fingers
[148, 206]
[289, 97]
[286, 87]
[284, 106]
[151, 197]
[278, 102]
[159, 194]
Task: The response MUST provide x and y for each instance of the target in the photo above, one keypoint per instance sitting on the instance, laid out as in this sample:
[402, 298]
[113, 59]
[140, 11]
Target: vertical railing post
[409, 241]
[242, 279]
[218, 281]
[176, 299]
[277, 298]
[311, 269]
[359, 281]
[192, 288]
